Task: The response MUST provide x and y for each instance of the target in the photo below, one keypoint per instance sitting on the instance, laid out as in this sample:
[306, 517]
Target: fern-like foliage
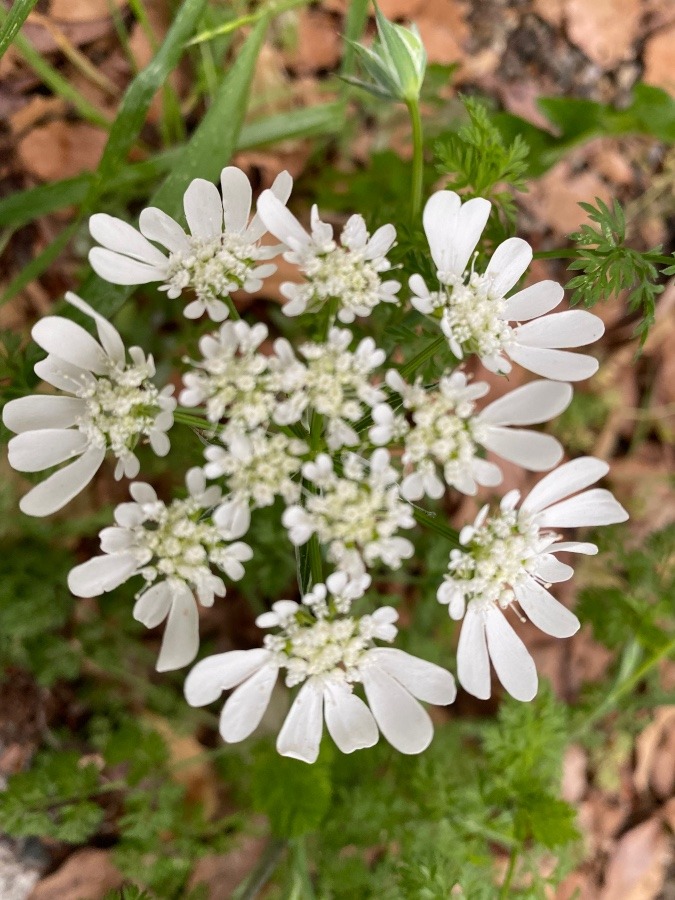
[607, 266]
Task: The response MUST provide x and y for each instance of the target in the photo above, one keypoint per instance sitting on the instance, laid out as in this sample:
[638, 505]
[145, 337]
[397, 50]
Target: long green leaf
[15, 19]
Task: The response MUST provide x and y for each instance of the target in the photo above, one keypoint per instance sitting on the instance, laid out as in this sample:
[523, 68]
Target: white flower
[510, 557]
[356, 515]
[112, 406]
[446, 432]
[221, 254]
[328, 654]
[232, 377]
[334, 383]
[474, 310]
[173, 548]
[347, 273]
[257, 467]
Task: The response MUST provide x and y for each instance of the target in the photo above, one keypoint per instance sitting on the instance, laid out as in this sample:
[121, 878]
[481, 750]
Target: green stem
[256, 880]
[508, 878]
[234, 312]
[193, 421]
[302, 887]
[270, 9]
[426, 354]
[418, 159]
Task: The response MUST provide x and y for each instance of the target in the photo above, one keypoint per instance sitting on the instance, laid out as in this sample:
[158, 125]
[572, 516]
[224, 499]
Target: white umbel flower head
[474, 310]
[510, 557]
[257, 467]
[335, 382]
[357, 515]
[112, 406]
[222, 253]
[348, 273]
[447, 431]
[173, 548]
[327, 653]
[232, 377]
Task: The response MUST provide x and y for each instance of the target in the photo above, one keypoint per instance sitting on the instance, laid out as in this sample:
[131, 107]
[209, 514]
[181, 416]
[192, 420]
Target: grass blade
[15, 19]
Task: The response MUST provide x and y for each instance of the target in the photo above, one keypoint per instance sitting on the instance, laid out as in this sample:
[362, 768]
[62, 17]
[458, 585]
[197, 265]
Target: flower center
[342, 274]
[233, 386]
[472, 316]
[120, 408]
[213, 268]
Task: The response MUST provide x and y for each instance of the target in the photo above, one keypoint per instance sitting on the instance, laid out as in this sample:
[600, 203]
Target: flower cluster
[333, 432]
[320, 646]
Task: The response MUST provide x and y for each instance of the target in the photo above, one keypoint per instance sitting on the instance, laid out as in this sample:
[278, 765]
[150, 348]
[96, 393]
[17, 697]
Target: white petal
[569, 478]
[119, 269]
[236, 190]
[486, 473]
[280, 222]
[560, 365]
[152, 607]
[70, 342]
[33, 451]
[300, 735]
[535, 300]
[203, 209]
[575, 547]
[348, 719]
[41, 411]
[380, 242]
[508, 263]
[61, 374]
[594, 507]
[530, 404]
[215, 674]
[418, 286]
[423, 679]
[440, 223]
[246, 706]
[108, 335]
[513, 664]
[572, 328]
[473, 663]
[469, 225]
[120, 237]
[281, 188]
[529, 449]
[544, 611]
[57, 490]
[101, 574]
[551, 570]
[181, 635]
[156, 225]
[401, 719]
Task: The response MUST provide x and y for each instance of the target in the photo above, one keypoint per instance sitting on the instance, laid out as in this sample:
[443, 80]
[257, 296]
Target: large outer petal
[108, 335]
[348, 719]
[508, 263]
[569, 478]
[280, 222]
[473, 663]
[594, 507]
[561, 365]
[181, 634]
[203, 209]
[246, 706]
[236, 190]
[215, 674]
[300, 735]
[421, 678]
[70, 342]
[538, 401]
[156, 225]
[513, 664]
[101, 574]
[401, 719]
[529, 449]
[535, 300]
[544, 611]
[120, 237]
[572, 328]
[33, 451]
[153, 606]
[119, 269]
[57, 490]
[41, 411]
[281, 189]
[61, 374]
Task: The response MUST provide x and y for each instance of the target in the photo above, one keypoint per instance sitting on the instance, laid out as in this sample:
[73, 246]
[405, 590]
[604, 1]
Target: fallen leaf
[61, 150]
[82, 10]
[637, 867]
[87, 873]
[647, 746]
[659, 59]
[221, 874]
[606, 30]
[574, 778]
[319, 44]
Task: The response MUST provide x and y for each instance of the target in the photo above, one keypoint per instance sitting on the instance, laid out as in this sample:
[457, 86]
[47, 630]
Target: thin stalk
[508, 878]
[234, 312]
[302, 887]
[420, 358]
[270, 9]
[418, 159]
[253, 884]
[193, 421]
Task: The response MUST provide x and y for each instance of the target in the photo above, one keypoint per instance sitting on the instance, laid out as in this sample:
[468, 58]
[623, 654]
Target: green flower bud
[396, 62]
